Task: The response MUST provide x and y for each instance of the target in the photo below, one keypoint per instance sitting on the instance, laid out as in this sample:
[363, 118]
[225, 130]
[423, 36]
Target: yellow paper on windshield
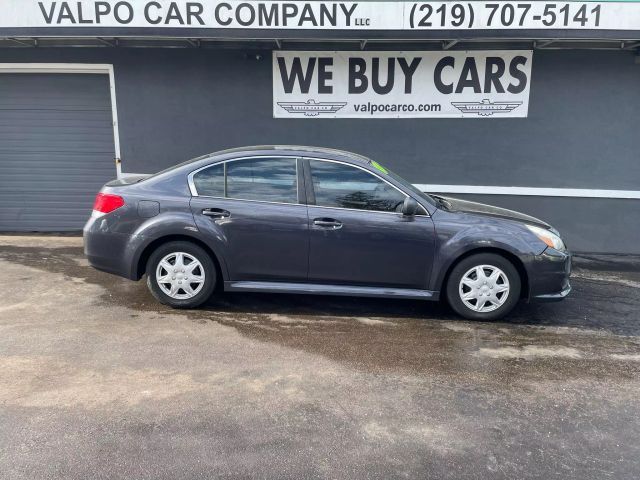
[379, 167]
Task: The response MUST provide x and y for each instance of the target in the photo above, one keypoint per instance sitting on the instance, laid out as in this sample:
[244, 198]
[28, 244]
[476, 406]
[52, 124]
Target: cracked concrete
[97, 380]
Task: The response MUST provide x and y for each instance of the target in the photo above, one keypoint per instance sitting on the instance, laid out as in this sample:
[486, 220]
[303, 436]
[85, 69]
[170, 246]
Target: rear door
[358, 235]
[252, 211]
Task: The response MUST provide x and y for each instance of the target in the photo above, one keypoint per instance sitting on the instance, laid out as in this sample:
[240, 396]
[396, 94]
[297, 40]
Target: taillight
[107, 203]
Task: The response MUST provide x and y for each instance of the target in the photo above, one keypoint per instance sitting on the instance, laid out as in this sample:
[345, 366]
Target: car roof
[297, 150]
[195, 164]
[261, 150]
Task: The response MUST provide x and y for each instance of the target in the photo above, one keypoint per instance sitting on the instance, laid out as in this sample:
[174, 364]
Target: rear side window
[263, 179]
[210, 181]
[344, 186]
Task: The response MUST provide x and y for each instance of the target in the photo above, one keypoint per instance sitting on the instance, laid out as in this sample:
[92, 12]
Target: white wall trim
[515, 191]
[89, 68]
[530, 191]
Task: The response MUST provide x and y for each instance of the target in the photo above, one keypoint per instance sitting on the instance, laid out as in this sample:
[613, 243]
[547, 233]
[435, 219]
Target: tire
[178, 259]
[472, 277]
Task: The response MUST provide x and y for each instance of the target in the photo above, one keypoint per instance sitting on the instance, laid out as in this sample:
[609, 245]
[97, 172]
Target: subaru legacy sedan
[318, 221]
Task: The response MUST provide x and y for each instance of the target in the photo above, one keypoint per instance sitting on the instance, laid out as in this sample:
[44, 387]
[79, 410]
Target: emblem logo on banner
[486, 107]
[312, 108]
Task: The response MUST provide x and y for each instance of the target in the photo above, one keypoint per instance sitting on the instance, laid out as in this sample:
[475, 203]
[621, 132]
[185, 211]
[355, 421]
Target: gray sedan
[318, 221]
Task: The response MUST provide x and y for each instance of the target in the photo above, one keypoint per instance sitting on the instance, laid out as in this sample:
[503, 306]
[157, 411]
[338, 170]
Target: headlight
[548, 237]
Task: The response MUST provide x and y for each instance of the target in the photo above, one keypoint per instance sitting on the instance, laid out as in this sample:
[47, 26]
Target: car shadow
[600, 300]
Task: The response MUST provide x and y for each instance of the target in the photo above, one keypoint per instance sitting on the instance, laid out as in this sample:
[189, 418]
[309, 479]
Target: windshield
[409, 186]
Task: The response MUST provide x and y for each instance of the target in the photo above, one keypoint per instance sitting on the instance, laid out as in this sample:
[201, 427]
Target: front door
[358, 235]
[250, 211]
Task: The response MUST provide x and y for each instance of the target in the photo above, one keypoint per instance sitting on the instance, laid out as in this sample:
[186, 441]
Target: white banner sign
[491, 84]
[314, 15]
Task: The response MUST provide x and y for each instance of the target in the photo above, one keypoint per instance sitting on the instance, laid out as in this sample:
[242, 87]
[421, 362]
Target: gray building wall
[581, 131]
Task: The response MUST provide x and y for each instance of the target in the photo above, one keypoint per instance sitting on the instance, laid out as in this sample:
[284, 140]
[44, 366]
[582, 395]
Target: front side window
[263, 179]
[344, 186]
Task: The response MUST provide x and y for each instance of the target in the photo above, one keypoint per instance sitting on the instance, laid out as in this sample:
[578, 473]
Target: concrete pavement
[97, 380]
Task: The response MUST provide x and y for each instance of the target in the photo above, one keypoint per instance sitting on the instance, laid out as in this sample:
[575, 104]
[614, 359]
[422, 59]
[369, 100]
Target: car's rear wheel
[485, 286]
[181, 274]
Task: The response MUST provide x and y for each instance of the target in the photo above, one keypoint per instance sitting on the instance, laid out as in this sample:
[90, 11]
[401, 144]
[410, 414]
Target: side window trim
[308, 181]
[226, 187]
[302, 188]
[194, 191]
[311, 187]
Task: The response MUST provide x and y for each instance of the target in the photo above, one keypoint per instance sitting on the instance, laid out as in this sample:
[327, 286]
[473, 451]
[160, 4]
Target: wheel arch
[515, 261]
[141, 264]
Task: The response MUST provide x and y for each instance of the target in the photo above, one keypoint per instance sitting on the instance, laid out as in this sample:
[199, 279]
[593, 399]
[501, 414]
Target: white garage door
[56, 149]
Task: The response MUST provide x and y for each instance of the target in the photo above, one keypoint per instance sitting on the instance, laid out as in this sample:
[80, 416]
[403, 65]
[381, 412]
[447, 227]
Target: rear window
[210, 181]
[271, 179]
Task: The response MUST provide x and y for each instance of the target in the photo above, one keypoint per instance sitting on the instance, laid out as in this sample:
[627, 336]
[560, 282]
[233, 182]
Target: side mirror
[410, 207]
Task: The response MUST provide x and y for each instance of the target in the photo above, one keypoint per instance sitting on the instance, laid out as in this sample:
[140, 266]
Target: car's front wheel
[484, 286]
[181, 274]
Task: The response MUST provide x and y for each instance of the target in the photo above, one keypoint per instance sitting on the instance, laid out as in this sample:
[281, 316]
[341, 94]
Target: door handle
[331, 223]
[216, 213]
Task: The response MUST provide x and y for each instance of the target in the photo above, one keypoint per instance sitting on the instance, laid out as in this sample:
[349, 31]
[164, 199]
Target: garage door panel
[61, 118]
[44, 105]
[43, 117]
[39, 104]
[51, 160]
[18, 174]
[36, 144]
[54, 199]
[59, 127]
[50, 130]
[12, 127]
[58, 143]
[56, 149]
[46, 212]
[72, 186]
[47, 159]
[87, 91]
[56, 173]
[59, 163]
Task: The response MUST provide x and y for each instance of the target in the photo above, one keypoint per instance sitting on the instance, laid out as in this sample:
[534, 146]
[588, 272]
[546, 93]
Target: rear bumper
[549, 276]
[106, 250]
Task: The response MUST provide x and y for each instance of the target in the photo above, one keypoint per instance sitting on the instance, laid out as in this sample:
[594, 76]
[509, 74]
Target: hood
[457, 205]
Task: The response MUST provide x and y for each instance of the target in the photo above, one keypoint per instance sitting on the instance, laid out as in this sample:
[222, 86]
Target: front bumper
[549, 276]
